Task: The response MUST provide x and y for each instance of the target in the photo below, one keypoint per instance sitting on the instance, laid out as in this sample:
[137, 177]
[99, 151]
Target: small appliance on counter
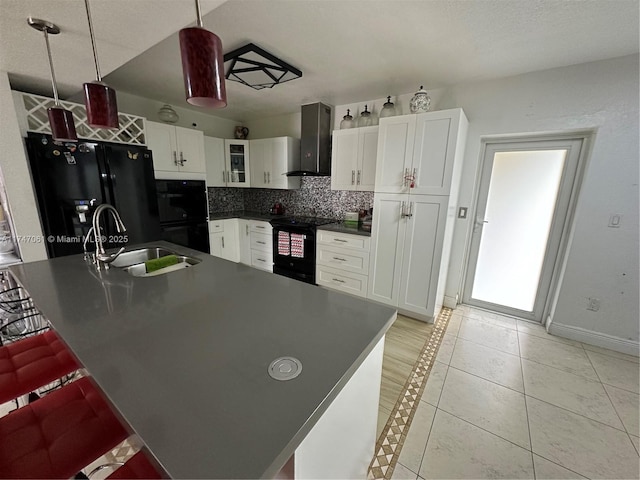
[351, 218]
[277, 209]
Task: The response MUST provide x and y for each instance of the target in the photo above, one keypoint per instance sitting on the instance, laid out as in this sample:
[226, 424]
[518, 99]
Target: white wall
[17, 179]
[277, 126]
[210, 124]
[602, 262]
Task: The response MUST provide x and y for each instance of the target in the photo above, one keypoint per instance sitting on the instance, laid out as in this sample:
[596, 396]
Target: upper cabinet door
[190, 150]
[367, 157]
[395, 154]
[344, 159]
[161, 140]
[434, 151]
[237, 161]
[286, 157]
[261, 153]
[215, 165]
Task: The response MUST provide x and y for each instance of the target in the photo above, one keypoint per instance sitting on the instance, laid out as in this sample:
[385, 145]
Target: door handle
[353, 177]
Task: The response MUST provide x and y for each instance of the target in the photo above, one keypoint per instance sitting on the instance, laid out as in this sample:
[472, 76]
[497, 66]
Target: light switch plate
[462, 212]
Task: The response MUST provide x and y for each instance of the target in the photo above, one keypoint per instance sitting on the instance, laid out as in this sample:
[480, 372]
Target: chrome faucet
[101, 258]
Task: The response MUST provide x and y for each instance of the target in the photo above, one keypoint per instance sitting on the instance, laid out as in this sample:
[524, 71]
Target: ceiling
[348, 51]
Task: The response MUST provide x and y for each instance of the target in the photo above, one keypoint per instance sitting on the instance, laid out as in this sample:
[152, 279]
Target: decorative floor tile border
[394, 433]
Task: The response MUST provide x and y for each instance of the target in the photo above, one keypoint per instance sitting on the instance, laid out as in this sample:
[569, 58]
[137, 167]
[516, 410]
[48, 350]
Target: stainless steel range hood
[315, 144]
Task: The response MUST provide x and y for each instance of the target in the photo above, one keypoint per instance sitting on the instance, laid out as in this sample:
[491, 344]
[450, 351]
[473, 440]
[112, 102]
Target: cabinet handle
[340, 259]
[246, 229]
[222, 241]
[268, 177]
[353, 177]
[340, 240]
[264, 177]
[358, 181]
[261, 243]
[182, 159]
[338, 280]
[261, 260]
[175, 157]
[410, 210]
[413, 178]
[260, 226]
[402, 210]
[405, 177]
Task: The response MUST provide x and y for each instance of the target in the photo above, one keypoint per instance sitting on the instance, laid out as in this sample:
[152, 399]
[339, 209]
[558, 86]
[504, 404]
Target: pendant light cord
[93, 42]
[198, 14]
[53, 75]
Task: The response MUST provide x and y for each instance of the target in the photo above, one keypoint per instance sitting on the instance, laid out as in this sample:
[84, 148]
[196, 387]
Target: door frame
[587, 136]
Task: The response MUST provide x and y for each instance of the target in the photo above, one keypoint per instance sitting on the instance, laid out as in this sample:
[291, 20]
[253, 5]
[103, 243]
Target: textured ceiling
[350, 50]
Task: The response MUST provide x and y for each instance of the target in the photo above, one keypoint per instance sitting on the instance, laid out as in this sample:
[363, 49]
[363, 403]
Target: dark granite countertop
[244, 214]
[343, 227]
[184, 356]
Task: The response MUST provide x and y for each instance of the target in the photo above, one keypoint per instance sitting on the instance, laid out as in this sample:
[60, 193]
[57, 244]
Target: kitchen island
[183, 357]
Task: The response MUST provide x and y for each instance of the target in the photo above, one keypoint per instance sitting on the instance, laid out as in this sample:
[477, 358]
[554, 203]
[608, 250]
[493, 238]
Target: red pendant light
[99, 98]
[60, 120]
[202, 65]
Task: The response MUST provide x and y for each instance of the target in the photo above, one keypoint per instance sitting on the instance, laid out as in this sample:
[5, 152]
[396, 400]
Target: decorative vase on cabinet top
[347, 121]
[421, 102]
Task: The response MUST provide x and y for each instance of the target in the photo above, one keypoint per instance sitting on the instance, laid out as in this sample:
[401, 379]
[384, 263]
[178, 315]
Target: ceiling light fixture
[60, 120]
[257, 68]
[99, 98]
[202, 65]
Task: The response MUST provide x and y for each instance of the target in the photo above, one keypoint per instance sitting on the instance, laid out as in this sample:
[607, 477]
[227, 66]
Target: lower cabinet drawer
[262, 260]
[261, 241]
[260, 226]
[355, 261]
[346, 282]
[216, 226]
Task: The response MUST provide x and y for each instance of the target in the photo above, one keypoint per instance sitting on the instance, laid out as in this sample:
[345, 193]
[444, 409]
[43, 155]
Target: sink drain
[285, 368]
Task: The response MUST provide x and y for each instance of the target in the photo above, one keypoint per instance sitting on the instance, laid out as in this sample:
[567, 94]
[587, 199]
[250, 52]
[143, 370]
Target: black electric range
[294, 246]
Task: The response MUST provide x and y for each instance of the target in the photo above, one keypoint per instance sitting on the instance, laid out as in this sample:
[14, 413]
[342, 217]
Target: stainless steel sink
[132, 262]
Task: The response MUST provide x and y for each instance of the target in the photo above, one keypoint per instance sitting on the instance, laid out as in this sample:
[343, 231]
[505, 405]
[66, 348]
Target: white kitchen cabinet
[223, 239]
[271, 159]
[353, 159]
[409, 261]
[178, 153]
[244, 241]
[237, 164]
[342, 262]
[261, 244]
[215, 162]
[421, 154]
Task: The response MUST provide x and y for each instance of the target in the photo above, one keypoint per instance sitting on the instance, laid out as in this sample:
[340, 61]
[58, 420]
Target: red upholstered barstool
[58, 435]
[32, 362]
[138, 467]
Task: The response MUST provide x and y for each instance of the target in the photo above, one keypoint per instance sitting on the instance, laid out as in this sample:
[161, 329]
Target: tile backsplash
[314, 197]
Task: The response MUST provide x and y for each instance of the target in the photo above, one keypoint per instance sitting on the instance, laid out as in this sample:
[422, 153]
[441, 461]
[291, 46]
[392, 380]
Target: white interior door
[523, 202]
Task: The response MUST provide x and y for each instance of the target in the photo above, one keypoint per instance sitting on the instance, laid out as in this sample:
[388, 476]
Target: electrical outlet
[594, 304]
[462, 212]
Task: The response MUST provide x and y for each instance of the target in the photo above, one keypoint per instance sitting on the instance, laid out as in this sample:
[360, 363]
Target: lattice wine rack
[131, 131]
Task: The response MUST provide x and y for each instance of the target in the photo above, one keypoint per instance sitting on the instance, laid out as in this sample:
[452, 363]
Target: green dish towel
[158, 263]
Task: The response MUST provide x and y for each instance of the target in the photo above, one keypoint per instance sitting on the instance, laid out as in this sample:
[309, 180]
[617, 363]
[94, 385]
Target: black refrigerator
[72, 179]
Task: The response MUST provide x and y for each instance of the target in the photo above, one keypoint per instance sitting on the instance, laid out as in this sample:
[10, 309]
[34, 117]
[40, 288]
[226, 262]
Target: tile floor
[506, 400]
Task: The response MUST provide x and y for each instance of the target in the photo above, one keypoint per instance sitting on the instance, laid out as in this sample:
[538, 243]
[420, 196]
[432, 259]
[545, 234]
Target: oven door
[294, 252]
[192, 235]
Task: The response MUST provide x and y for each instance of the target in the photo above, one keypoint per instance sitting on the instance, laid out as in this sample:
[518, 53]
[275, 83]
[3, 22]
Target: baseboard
[450, 302]
[595, 338]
